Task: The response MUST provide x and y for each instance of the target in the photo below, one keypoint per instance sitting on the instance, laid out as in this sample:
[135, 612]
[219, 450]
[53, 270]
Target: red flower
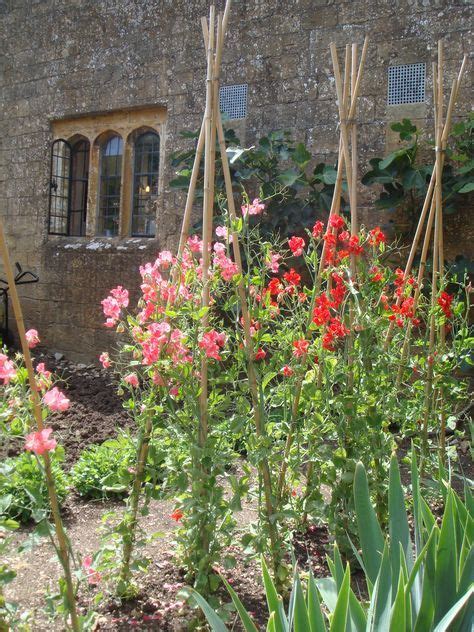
[260, 355]
[353, 246]
[330, 240]
[300, 347]
[444, 301]
[287, 371]
[337, 222]
[296, 245]
[376, 236]
[344, 236]
[275, 287]
[177, 515]
[318, 229]
[292, 277]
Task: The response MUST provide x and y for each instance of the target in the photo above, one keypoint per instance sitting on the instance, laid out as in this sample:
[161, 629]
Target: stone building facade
[95, 70]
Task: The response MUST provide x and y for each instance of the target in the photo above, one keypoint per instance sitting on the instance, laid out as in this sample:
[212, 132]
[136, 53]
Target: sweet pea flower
[55, 400]
[260, 355]
[300, 348]
[93, 576]
[131, 379]
[318, 229]
[287, 371]
[194, 244]
[256, 208]
[177, 515]
[7, 369]
[222, 232]
[39, 442]
[272, 262]
[104, 359]
[296, 245]
[211, 342]
[32, 338]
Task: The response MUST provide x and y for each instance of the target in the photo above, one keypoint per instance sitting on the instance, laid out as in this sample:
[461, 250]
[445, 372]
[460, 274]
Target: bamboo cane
[63, 543]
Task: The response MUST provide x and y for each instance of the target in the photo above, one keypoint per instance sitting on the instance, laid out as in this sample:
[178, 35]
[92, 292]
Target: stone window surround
[127, 123]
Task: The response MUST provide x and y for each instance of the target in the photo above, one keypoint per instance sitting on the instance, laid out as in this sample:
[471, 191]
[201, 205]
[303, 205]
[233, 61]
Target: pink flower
[39, 442]
[7, 369]
[222, 232]
[296, 245]
[120, 295]
[105, 360]
[32, 338]
[93, 576]
[194, 244]
[272, 262]
[41, 370]
[131, 379]
[256, 208]
[55, 400]
[111, 308]
[165, 259]
[227, 267]
[211, 342]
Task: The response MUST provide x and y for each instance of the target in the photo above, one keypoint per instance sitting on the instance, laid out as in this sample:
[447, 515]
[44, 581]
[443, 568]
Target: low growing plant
[423, 586]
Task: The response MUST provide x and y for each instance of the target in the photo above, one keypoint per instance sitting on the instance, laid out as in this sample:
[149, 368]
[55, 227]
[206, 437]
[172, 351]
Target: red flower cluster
[376, 236]
[405, 311]
[336, 330]
[444, 301]
[296, 245]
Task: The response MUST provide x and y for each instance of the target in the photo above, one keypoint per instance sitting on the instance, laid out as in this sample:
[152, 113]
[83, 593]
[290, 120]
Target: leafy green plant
[105, 470]
[23, 489]
[276, 169]
[405, 173]
[425, 586]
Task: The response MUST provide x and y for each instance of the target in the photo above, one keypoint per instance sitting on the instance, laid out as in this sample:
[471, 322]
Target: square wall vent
[233, 101]
[406, 84]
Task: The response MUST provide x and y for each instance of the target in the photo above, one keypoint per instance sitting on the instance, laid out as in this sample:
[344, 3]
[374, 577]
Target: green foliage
[276, 169]
[23, 490]
[105, 470]
[405, 173]
[425, 587]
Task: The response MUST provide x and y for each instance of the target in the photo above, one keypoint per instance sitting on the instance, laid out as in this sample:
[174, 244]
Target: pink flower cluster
[55, 400]
[211, 342]
[256, 208]
[7, 369]
[40, 442]
[227, 267]
[112, 305]
[32, 338]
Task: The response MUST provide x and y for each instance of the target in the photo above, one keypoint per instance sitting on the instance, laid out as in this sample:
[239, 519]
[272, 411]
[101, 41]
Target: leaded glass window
[59, 187]
[110, 183]
[145, 184]
[79, 185]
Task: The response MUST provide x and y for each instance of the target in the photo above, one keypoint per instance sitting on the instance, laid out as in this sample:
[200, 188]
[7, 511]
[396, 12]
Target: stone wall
[65, 58]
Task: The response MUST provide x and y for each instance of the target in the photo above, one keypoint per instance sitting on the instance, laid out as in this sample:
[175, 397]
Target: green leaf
[398, 523]
[216, 623]
[274, 601]
[316, 618]
[247, 622]
[301, 620]
[446, 556]
[289, 177]
[450, 616]
[370, 533]
[339, 618]
[382, 595]
[301, 155]
[398, 614]
[467, 188]
[425, 615]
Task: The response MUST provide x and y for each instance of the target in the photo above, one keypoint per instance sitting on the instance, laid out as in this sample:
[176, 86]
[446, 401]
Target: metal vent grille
[406, 84]
[233, 101]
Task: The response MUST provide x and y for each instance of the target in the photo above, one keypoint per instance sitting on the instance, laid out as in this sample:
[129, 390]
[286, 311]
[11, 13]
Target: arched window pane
[145, 184]
[110, 181]
[79, 184]
[60, 177]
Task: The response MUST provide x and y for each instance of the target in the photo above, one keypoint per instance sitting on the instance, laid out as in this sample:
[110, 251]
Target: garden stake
[63, 548]
[252, 375]
[429, 199]
[350, 108]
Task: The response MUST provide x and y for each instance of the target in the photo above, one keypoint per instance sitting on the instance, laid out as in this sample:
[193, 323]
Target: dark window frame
[104, 178]
[53, 185]
[138, 197]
